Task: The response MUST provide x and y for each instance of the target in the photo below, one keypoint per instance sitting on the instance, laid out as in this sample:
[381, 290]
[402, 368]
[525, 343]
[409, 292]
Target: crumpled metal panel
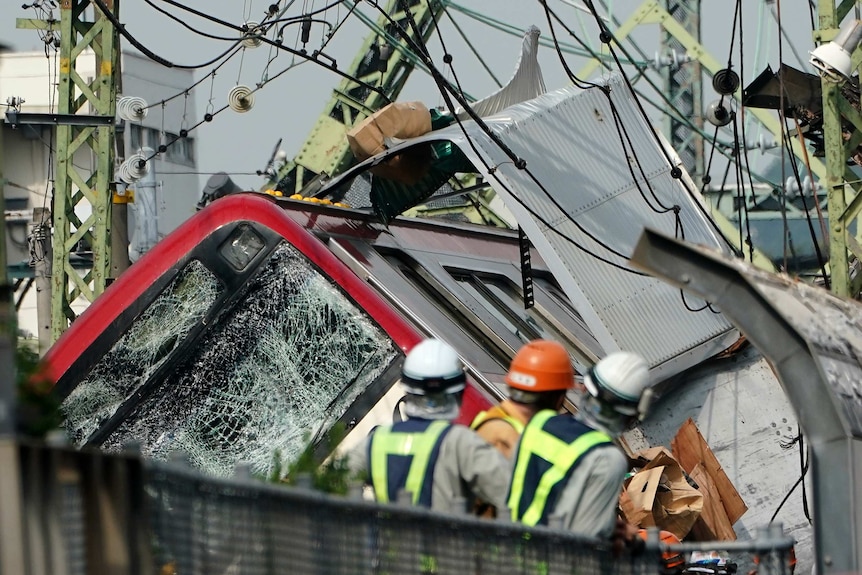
[581, 189]
[588, 190]
[526, 83]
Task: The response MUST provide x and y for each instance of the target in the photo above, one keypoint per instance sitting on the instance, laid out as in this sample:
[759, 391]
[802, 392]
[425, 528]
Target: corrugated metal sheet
[580, 182]
[581, 186]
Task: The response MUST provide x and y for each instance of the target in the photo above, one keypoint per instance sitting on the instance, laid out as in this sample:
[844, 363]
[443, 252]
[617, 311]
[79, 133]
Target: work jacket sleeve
[500, 434]
[588, 503]
[484, 469]
[357, 460]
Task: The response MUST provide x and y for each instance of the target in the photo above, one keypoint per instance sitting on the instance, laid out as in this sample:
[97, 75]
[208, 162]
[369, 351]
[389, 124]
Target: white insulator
[673, 60]
[132, 108]
[133, 169]
[240, 99]
[762, 143]
[791, 188]
[251, 37]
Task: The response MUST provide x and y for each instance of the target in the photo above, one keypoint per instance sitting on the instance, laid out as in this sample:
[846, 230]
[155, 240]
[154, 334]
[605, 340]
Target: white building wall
[27, 150]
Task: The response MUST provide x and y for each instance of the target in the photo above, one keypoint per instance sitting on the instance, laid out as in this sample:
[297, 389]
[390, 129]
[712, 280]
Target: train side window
[451, 305]
[493, 297]
[503, 298]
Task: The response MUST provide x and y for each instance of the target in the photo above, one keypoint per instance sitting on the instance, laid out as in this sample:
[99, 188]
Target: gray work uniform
[567, 474]
[466, 467]
[588, 502]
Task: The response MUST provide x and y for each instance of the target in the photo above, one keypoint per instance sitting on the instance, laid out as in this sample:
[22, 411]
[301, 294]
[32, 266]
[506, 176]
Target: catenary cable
[446, 89]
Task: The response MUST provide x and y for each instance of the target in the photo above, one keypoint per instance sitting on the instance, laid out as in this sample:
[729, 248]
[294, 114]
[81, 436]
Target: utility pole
[85, 121]
[843, 247]
[8, 336]
[41, 236]
[683, 86]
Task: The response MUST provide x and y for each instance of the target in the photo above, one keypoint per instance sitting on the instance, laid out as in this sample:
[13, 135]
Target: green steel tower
[682, 82]
[382, 61]
[842, 186]
[84, 120]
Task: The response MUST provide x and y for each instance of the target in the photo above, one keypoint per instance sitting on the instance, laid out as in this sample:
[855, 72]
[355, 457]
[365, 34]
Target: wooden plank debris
[690, 448]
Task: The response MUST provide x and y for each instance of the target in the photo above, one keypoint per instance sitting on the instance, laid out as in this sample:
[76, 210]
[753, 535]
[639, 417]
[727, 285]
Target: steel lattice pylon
[75, 188]
[383, 61]
[683, 88]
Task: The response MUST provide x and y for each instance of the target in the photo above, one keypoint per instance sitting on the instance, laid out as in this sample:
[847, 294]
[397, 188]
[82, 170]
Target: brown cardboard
[690, 448]
[396, 120]
[659, 495]
[713, 524]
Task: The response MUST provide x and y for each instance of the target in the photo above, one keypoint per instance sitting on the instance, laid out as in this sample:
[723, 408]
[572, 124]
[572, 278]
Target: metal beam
[842, 247]
[809, 336]
[16, 118]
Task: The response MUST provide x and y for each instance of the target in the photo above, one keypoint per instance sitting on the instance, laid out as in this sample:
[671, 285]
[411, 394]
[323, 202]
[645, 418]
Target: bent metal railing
[64, 511]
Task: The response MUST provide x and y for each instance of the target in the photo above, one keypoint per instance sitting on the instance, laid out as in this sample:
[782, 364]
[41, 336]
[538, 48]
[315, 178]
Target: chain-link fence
[202, 526]
[84, 513]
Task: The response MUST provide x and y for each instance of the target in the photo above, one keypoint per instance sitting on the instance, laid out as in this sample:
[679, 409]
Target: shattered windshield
[281, 363]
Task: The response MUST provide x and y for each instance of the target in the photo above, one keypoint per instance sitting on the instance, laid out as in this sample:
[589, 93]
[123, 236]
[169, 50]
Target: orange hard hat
[791, 559]
[671, 560]
[541, 365]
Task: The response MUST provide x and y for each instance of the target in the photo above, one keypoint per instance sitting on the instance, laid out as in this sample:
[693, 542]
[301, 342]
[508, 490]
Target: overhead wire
[448, 60]
[446, 90]
[606, 35]
[786, 147]
[821, 260]
[518, 31]
[743, 167]
[473, 48]
[164, 62]
[212, 113]
[676, 173]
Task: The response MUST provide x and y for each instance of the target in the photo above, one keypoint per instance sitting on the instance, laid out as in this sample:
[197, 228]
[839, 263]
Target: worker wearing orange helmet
[567, 470]
[539, 376]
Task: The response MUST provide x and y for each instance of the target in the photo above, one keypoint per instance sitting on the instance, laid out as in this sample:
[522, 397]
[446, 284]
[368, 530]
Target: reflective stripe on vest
[418, 445]
[497, 412]
[561, 455]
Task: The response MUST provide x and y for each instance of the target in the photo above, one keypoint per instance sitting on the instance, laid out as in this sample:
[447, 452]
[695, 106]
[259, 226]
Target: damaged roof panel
[583, 209]
[578, 181]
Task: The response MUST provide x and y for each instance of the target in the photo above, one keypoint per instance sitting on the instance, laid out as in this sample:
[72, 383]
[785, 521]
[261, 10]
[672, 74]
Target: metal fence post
[12, 552]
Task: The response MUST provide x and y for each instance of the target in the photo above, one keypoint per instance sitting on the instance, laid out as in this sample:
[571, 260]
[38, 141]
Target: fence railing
[64, 511]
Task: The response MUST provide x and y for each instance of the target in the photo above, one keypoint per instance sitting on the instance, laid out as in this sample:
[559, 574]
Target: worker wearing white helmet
[439, 463]
[568, 472]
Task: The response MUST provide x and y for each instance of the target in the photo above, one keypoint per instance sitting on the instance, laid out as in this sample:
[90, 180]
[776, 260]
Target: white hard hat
[619, 381]
[432, 367]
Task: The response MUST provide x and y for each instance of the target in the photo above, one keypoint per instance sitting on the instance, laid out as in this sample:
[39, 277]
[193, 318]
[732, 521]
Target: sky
[287, 107]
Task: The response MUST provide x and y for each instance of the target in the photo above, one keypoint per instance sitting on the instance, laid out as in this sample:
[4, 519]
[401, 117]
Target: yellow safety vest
[561, 454]
[496, 412]
[419, 445]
